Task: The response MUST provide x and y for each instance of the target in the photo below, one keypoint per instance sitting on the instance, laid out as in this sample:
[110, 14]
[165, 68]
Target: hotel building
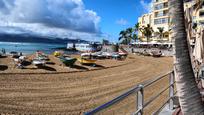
[159, 17]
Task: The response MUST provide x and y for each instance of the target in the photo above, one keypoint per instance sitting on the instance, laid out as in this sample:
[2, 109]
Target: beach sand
[74, 91]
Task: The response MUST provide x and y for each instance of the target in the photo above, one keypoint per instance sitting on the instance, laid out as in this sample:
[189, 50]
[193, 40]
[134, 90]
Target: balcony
[162, 13]
[161, 6]
[159, 1]
[201, 13]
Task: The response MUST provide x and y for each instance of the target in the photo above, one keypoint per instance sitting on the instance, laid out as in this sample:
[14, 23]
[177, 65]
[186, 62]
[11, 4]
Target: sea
[30, 48]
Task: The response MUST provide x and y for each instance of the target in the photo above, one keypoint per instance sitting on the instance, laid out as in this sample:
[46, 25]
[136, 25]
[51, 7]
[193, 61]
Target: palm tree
[147, 31]
[126, 36]
[198, 5]
[134, 37]
[136, 27]
[189, 95]
[161, 32]
[129, 32]
[123, 37]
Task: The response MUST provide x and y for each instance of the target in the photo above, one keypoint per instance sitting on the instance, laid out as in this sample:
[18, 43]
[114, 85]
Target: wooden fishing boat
[57, 53]
[68, 61]
[14, 54]
[1, 55]
[116, 56]
[146, 54]
[38, 62]
[86, 61]
[156, 54]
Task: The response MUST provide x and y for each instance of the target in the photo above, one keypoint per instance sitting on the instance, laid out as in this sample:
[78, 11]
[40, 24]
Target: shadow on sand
[26, 63]
[3, 67]
[99, 66]
[95, 65]
[50, 63]
[3, 56]
[47, 68]
[79, 67]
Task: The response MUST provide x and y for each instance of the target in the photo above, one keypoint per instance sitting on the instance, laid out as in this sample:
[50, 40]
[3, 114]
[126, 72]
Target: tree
[123, 37]
[105, 42]
[136, 27]
[161, 32]
[134, 37]
[129, 32]
[189, 95]
[126, 36]
[147, 31]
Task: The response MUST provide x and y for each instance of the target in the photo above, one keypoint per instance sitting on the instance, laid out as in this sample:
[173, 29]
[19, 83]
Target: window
[159, 14]
[158, 0]
[161, 21]
[161, 6]
[166, 36]
[158, 6]
[165, 4]
[201, 14]
[201, 22]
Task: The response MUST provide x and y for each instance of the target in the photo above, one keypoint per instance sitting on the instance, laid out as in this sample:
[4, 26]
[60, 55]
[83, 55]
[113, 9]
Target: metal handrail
[159, 110]
[157, 79]
[137, 89]
[115, 100]
[156, 96]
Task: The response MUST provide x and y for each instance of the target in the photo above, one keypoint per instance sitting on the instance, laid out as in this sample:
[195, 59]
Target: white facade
[70, 45]
[83, 47]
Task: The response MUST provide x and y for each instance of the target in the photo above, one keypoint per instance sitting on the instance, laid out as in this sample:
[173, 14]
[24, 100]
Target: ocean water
[29, 48]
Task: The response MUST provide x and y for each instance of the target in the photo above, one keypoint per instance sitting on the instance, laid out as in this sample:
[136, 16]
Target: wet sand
[66, 92]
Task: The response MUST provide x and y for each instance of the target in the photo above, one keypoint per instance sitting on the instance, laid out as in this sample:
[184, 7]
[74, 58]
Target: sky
[91, 20]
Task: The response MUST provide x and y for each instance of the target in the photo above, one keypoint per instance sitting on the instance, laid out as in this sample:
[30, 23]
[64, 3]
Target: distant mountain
[36, 39]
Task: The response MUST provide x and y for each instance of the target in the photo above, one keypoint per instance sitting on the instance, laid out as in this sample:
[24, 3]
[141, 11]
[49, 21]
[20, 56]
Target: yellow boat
[87, 61]
[57, 53]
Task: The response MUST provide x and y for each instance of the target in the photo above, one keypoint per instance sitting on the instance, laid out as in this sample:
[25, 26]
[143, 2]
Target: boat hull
[68, 62]
[38, 63]
[87, 61]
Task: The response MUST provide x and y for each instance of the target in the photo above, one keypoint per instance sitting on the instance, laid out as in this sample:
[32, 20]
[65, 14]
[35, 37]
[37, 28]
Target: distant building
[159, 17]
[84, 47]
[70, 46]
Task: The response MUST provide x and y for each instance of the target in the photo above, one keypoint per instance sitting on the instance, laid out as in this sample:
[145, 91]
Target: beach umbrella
[198, 52]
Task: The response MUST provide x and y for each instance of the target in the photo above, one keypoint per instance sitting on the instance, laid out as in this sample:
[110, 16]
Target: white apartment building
[159, 17]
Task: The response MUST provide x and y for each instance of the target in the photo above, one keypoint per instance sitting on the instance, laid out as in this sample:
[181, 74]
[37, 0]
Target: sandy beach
[73, 91]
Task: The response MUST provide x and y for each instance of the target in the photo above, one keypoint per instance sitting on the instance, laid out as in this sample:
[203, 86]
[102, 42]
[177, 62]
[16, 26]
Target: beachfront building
[85, 47]
[144, 21]
[159, 18]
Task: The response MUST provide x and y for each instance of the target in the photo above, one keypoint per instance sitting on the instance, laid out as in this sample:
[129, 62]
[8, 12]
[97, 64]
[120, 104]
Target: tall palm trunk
[188, 92]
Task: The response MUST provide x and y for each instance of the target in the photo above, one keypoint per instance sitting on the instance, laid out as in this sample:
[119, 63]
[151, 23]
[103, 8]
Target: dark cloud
[64, 14]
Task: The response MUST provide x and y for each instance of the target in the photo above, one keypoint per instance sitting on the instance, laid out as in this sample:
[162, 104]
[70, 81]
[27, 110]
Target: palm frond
[198, 5]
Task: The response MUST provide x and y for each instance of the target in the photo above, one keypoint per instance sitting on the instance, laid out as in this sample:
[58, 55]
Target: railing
[138, 94]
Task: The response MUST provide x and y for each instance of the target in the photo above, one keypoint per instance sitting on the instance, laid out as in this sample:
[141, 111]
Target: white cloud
[147, 5]
[122, 22]
[49, 17]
